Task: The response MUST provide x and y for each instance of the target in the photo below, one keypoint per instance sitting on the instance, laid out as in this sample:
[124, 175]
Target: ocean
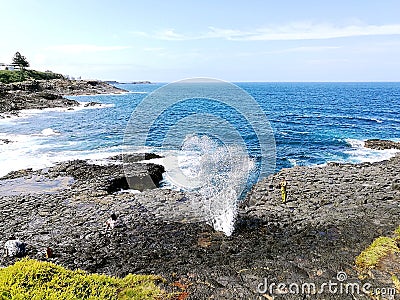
[311, 124]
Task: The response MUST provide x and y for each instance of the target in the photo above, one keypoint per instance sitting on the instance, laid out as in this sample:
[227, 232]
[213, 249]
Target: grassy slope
[17, 76]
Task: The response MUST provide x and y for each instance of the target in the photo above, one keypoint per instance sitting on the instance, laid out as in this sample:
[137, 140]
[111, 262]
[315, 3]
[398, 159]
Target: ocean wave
[294, 132]
[358, 153]
[344, 151]
[28, 113]
[49, 132]
[357, 118]
[299, 119]
[354, 143]
[37, 151]
[292, 161]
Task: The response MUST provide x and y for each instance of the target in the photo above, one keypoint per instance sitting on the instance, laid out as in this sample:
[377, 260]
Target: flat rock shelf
[332, 214]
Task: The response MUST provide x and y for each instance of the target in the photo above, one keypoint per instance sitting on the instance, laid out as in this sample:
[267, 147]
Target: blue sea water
[312, 123]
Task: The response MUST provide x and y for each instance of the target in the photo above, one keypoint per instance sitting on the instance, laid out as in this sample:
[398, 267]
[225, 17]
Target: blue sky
[165, 41]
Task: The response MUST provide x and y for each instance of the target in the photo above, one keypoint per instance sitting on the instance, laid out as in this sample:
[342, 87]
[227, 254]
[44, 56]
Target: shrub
[32, 279]
[9, 76]
[17, 76]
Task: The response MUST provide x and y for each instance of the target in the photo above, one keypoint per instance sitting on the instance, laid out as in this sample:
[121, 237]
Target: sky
[164, 41]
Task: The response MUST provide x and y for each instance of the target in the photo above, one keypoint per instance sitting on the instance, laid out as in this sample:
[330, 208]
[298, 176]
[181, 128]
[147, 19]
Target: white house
[10, 67]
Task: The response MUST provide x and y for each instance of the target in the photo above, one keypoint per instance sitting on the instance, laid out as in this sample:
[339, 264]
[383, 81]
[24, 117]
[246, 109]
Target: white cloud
[307, 49]
[304, 49]
[79, 48]
[308, 31]
[170, 34]
[292, 31]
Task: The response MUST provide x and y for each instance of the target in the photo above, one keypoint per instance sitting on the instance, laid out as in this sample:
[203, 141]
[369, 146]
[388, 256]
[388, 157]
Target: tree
[20, 60]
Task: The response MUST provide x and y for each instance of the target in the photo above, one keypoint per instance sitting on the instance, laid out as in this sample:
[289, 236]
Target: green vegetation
[382, 247]
[370, 257]
[21, 75]
[32, 279]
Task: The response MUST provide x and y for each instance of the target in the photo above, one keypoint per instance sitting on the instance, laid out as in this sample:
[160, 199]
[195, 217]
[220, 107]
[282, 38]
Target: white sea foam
[49, 132]
[37, 151]
[27, 113]
[293, 162]
[359, 154]
[377, 120]
[355, 143]
[368, 119]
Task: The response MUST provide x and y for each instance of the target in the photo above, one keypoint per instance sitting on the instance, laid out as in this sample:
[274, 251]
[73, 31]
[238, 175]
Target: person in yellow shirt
[283, 190]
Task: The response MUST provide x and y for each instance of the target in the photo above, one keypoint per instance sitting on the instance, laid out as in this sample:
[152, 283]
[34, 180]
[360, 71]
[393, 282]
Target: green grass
[17, 76]
[380, 248]
[32, 279]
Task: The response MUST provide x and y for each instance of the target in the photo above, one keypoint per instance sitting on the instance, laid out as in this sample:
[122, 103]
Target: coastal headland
[40, 94]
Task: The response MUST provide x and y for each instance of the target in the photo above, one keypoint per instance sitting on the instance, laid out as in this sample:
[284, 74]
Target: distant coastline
[128, 82]
[41, 94]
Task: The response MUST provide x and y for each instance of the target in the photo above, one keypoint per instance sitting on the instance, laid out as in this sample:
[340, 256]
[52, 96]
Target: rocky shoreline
[40, 94]
[332, 214]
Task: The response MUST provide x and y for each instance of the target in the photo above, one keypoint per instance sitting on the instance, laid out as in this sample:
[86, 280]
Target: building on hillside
[9, 67]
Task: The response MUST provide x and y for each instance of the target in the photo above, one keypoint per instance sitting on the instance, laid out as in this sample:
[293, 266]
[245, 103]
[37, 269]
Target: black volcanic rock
[79, 87]
[40, 94]
[381, 144]
[134, 157]
[332, 214]
[5, 141]
[90, 104]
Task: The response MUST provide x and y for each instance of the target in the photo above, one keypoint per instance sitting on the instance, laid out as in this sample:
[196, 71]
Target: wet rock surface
[40, 94]
[332, 214]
